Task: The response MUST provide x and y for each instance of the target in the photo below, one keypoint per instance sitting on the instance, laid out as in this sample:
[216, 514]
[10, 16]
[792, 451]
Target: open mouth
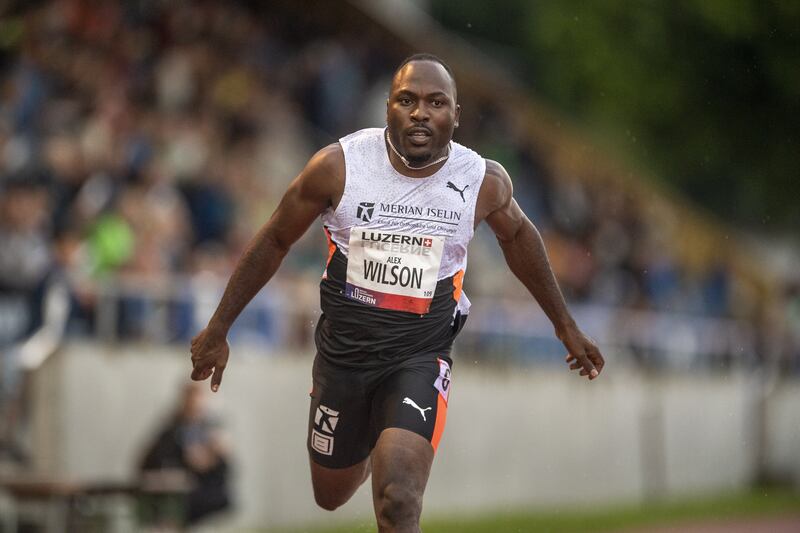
[419, 136]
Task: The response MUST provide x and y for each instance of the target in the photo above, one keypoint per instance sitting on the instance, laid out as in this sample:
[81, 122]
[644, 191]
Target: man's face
[421, 111]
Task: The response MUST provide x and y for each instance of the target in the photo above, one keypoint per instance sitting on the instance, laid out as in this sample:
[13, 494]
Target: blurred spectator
[166, 130]
[792, 317]
[33, 299]
[185, 472]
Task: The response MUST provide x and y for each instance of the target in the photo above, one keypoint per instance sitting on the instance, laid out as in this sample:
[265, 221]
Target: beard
[419, 158]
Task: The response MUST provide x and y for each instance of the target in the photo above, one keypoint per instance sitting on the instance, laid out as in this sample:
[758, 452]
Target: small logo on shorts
[321, 443]
[326, 419]
[442, 383]
[409, 401]
[365, 211]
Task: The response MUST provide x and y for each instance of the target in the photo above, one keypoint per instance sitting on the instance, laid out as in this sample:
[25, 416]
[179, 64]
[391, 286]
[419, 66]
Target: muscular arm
[317, 187]
[526, 256]
[307, 196]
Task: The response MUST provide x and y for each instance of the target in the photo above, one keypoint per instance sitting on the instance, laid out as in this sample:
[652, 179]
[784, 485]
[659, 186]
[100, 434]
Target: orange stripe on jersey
[441, 419]
[458, 280]
[331, 250]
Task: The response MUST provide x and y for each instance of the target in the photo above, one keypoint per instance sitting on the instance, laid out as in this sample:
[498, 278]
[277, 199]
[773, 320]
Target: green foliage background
[705, 94]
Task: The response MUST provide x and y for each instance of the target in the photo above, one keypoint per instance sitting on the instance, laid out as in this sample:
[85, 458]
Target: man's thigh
[339, 433]
[414, 398]
[401, 464]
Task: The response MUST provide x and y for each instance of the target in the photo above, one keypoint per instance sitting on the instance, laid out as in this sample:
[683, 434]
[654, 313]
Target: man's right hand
[209, 356]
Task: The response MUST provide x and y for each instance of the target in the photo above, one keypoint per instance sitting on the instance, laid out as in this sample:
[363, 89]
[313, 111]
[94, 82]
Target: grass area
[762, 502]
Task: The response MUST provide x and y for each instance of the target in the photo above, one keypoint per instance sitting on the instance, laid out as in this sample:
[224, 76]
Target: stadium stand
[154, 138]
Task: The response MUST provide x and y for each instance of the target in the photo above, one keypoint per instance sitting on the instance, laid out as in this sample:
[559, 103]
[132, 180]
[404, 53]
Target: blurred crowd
[143, 143]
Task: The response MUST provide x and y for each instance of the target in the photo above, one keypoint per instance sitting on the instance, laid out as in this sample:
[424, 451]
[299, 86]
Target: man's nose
[420, 113]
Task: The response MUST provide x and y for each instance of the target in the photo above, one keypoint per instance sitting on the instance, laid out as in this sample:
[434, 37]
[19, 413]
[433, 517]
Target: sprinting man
[399, 206]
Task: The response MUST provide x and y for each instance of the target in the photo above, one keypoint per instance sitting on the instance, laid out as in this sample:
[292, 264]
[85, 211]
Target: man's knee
[328, 500]
[398, 505]
[334, 487]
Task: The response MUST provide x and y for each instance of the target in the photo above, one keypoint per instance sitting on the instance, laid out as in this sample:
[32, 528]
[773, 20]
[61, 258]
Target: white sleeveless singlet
[401, 235]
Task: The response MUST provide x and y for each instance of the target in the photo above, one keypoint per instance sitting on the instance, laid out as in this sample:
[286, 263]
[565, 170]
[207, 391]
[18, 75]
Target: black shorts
[350, 407]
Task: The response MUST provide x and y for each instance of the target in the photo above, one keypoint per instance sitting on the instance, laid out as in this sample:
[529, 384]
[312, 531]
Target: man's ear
[458, 115]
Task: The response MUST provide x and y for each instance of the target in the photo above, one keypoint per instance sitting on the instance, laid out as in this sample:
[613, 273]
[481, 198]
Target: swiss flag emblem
[427, 243]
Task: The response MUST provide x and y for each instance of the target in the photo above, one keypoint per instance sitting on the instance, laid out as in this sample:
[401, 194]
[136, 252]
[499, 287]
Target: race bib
[393, 270]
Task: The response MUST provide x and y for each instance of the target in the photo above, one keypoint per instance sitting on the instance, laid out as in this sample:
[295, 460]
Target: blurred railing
[170, 310]
[283, 316]
[519, 331]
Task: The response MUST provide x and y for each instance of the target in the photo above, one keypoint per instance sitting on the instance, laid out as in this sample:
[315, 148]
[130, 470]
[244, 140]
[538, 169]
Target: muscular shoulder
[496, 190]
[327, 162]
[324, 174]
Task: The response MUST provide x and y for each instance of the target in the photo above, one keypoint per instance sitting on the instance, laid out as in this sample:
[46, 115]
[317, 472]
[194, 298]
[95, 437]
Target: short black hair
[424, 56]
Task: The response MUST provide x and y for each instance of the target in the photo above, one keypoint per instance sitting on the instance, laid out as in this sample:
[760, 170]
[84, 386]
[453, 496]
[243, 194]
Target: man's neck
[398, 165]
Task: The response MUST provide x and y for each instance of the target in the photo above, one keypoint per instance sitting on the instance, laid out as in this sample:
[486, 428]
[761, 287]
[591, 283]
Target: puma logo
[451, 185]
[409, 401]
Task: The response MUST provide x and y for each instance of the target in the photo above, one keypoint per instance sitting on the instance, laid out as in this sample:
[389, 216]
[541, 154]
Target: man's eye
[437, 103]
[405, 101]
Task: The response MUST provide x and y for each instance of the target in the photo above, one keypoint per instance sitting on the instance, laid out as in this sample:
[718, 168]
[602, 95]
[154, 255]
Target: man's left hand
[583, 353]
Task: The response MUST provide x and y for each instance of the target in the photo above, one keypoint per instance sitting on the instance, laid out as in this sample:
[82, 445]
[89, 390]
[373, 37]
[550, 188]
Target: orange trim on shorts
[458, 280]
[331, 251]
[441, 419]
